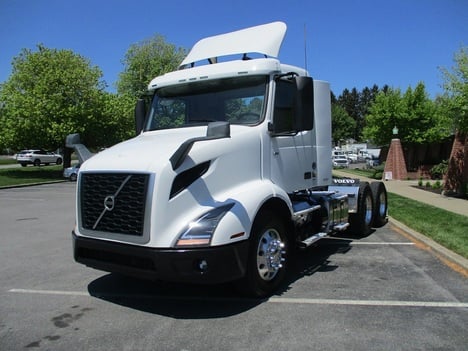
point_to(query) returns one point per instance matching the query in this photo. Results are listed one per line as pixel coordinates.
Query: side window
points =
(283, 116)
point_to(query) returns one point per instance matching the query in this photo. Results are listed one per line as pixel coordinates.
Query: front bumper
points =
(223, 263)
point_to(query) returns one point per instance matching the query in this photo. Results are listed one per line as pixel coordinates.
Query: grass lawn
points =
(446, 228)
(369, 173)
(7, 161)
(29, 175)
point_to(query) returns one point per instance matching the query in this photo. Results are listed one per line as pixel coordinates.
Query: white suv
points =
(340, 161)
(38, 157)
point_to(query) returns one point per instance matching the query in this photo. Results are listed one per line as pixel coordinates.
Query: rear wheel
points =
(268, 254)
(59, 161)
(379, 195)
(37, 162)
(360, 223)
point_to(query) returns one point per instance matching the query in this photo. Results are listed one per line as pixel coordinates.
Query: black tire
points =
(37, 162)
(360, 223)
(73, 177)
(379, 195)
(59, 161)
(24, 164)
(268, 256)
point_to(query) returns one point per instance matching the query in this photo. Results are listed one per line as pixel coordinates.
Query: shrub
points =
(437, 185)
(428, 184)
(378, 171)
(438, 171)
(420, 182)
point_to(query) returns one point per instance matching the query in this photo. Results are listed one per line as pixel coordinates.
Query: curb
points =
(454, 260)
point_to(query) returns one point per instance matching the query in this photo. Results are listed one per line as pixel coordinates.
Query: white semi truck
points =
(230, 172)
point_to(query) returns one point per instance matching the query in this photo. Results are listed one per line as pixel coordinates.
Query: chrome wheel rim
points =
(270, 254)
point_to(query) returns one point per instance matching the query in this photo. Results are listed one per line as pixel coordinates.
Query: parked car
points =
(38, 157)
(340, 161)
(72, 172)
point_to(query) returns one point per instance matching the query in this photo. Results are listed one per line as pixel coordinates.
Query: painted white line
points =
(344, 241)
(368, 302)
(49, 292)
(284, 300)
(381, 243)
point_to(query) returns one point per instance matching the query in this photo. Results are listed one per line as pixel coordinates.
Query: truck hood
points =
(147, 152)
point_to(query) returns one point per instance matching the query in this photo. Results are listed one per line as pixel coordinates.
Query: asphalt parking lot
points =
(382, 292)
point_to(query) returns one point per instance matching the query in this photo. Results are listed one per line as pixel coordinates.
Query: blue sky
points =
(349, 43)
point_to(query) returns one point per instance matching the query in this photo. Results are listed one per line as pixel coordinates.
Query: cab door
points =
(292, 157)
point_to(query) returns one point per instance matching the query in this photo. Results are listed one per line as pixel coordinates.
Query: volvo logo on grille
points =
(109, 202)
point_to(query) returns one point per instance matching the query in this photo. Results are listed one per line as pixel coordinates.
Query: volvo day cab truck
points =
(230, 173)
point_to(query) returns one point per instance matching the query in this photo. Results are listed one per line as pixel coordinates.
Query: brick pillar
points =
(395, 166)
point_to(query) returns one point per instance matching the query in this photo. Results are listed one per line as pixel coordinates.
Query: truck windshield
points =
(239, 100)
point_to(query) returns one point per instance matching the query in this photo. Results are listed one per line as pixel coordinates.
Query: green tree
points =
(455, 100)
(420, 122)
(343, 125)
(356, 104)
(146, 60)
(456, 90)
(117, 120)
(383, 116)
(349, 101)
(414, 114)
(49, 94)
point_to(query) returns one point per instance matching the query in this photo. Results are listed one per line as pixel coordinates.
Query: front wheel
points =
(268, 255)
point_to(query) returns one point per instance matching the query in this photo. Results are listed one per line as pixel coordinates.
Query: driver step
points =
(310, 240)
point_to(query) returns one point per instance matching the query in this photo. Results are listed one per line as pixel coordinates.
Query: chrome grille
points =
(113, 202)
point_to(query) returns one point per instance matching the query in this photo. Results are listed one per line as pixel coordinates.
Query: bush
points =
(428, 184)
(437, 185)
(438, 171)
(420, 182)
(378, 171)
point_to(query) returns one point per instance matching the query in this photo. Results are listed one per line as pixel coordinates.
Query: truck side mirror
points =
(140, 115)
(304, 109)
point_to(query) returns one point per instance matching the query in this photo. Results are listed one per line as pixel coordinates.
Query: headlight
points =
(200, 231)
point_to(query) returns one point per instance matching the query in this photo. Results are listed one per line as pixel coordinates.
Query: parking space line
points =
(49, 292)
(390, 303)
(284, 300)
(381, 243)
